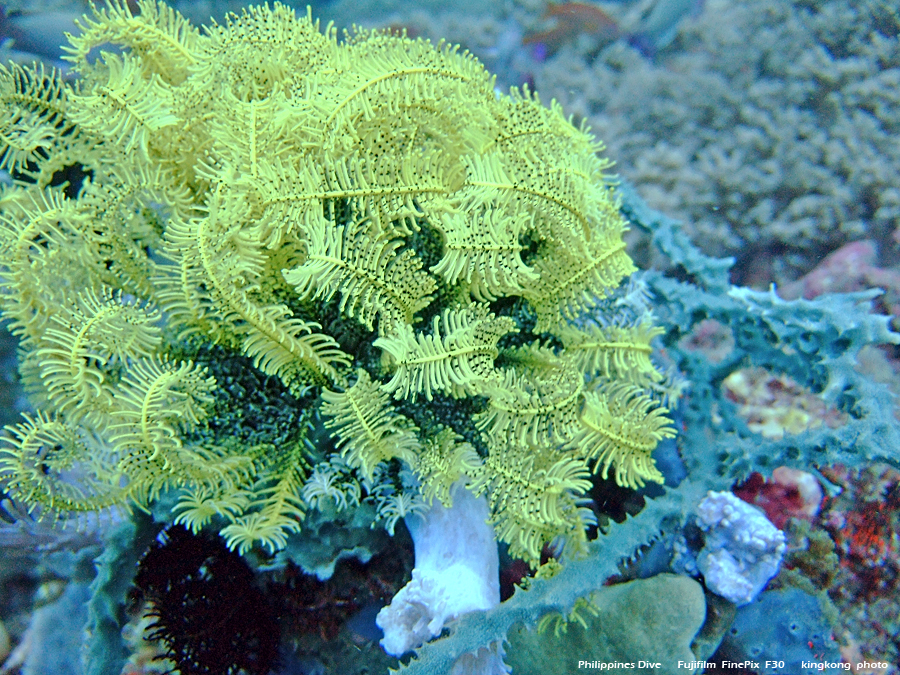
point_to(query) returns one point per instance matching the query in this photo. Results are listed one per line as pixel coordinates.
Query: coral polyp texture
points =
(773, 140)
(233, 253)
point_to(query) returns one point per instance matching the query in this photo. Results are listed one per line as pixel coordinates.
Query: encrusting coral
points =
(362, 222)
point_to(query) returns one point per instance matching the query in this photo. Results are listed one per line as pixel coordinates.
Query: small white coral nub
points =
(743, 549)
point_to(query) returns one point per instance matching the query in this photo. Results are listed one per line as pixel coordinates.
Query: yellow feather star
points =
(267, 202)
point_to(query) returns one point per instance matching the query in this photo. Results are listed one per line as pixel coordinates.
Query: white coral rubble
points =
(743, 550)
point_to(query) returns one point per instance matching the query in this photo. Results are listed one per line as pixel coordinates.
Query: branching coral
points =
(769, 128)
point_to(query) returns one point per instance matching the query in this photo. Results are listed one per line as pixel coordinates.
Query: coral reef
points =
(646, 622)
(249, 210)
(864, 522)
(266, 287)
(769, 128)
(790, 493)
(775, 405)
(853, 267)
(785, 626)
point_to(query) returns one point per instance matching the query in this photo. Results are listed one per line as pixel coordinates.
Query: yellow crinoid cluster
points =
(304, 202)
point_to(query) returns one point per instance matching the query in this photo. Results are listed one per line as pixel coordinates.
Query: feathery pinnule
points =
(267, 213)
